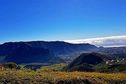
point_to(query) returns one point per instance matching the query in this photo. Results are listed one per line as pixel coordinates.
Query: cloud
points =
(111, 41)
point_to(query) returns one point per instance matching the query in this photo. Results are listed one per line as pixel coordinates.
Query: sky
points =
(27, 20)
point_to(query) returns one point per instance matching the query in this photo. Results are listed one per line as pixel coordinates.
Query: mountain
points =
(24, 53)
(42, 51)
(63, 49)
(96, 62)
(114, 52)
(86, 61)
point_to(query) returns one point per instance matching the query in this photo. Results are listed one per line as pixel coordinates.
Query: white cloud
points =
(103, 41)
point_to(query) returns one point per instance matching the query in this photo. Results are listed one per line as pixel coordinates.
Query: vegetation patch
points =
(42, 77)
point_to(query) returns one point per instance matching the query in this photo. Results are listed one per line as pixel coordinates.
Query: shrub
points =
(11, 65)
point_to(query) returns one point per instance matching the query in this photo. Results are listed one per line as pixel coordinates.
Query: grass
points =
(54, 67)
(43, 77)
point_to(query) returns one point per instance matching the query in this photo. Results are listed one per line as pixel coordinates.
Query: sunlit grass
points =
(42, 76)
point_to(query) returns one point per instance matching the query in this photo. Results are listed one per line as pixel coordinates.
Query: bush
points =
(11, 65)
(110, 68)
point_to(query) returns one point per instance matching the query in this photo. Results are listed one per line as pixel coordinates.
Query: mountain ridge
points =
(58, 49)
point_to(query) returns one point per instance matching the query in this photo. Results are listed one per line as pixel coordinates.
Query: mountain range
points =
(51, 52)
(41, 51)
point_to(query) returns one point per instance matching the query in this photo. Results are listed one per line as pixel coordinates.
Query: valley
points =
(41, 62)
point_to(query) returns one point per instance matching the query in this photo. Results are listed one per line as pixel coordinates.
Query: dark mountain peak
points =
(48, 42)
(85, 62)
(87, 58)
(14, 44)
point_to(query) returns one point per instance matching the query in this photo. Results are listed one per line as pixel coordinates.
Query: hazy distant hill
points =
(41, 51)
(114, 52)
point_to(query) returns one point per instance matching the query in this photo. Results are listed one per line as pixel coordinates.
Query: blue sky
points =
(61, 19)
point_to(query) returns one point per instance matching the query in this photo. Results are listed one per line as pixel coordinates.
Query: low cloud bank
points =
(111, 41)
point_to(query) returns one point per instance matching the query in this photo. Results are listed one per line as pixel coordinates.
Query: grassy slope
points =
(40, 77)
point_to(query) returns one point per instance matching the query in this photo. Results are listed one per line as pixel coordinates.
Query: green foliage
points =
(102, 68)
(10, 65)
(110, 68)
(55, 67)
(22, 66)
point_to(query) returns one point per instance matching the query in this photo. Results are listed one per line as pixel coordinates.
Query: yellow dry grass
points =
(22, 75)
